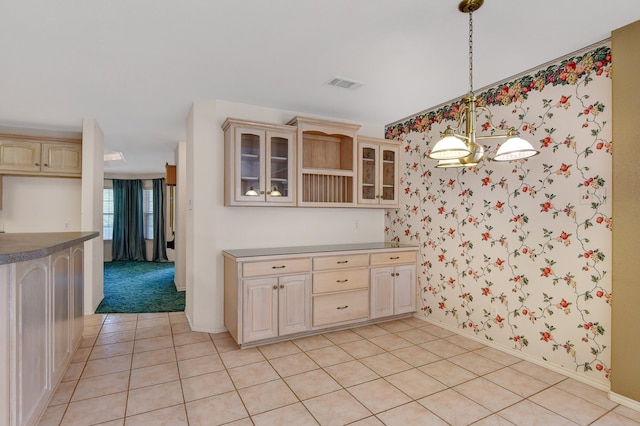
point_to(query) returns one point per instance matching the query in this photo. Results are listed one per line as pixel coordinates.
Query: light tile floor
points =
(151, 369)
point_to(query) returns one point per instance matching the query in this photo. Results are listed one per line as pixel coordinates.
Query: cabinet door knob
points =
(275, 286)
(281, 285)
(37, 164)
(343, 307)
(46, 165)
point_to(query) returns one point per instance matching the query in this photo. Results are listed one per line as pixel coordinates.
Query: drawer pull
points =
(343, 307)
(394, 257)
(341, 281)
(279, 267)
(342, 262)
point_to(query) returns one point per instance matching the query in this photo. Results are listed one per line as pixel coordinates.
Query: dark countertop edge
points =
(21, 247)
(250, 254)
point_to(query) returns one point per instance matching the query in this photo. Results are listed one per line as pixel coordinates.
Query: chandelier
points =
(459, 148)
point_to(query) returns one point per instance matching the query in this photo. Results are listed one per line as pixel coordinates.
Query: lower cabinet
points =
(270, 297)
(276, 306)
(44, 313)
(393, 283)
(393, 290)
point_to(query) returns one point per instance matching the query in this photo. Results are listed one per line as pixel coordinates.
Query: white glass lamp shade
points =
(251, 192)
(447, 164)
(471, 160)
(448, 148)
(515, 148)
(275, 192)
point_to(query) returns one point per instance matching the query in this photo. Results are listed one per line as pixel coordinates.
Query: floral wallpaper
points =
(519, 253)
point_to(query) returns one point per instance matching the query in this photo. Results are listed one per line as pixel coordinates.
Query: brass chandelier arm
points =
(464, 114)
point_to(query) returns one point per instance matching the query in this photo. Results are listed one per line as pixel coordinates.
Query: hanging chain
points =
(471, 50)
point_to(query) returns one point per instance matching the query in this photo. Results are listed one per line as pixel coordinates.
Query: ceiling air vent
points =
(344, 83)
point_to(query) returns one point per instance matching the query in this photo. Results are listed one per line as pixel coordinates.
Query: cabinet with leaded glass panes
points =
(259, 163)
(378, 174)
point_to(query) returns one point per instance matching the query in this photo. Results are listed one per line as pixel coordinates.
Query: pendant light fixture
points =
(460, 149)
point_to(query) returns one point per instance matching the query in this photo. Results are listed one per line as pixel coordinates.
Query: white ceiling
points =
(136, 66)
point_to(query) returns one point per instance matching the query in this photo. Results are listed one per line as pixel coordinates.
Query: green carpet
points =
(138, 287)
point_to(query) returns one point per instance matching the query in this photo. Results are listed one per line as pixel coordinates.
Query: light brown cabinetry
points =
(275, 294)
(378, 172)
(267, 299)
(326, 162)
(340, 289)
(393, 284)
(41, 328)
(275, 306)
(308, 163)
(40, 158)
(259, 163)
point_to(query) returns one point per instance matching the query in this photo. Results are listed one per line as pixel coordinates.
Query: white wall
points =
(180, 197)
(212, 227)
(32, 204)
(91, 219)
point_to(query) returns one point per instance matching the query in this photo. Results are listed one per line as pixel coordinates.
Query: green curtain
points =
(128, 221)
(159, 240)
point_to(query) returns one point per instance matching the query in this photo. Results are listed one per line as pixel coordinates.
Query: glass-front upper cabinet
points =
(259, 159)
(378, 174)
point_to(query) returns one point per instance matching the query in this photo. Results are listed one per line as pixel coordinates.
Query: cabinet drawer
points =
(340, 307)
(347, 279)
(393, 258)
(276, 267)
(340, 262)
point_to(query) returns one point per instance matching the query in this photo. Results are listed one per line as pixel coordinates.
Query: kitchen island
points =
(41, 319)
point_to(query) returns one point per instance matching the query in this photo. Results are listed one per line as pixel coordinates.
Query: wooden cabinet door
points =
(404, 292)
(77, 294)
(280, 183)
(32, 380)
(389, 175)
(294, 304)
(62, 158)
(20, 156)
(260, 308)
(381, 287)
(61, 310)
(249, 164)
(369, 159)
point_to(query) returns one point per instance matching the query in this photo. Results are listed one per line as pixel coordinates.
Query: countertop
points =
(279, 251)
(20, 247)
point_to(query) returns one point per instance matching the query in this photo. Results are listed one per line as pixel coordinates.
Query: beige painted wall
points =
(625, 344)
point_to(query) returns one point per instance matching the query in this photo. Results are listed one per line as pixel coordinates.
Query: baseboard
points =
(623, 400)
(553, 367)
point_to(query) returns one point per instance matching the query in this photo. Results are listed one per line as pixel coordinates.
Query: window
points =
(147, 211)
(107, 213)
